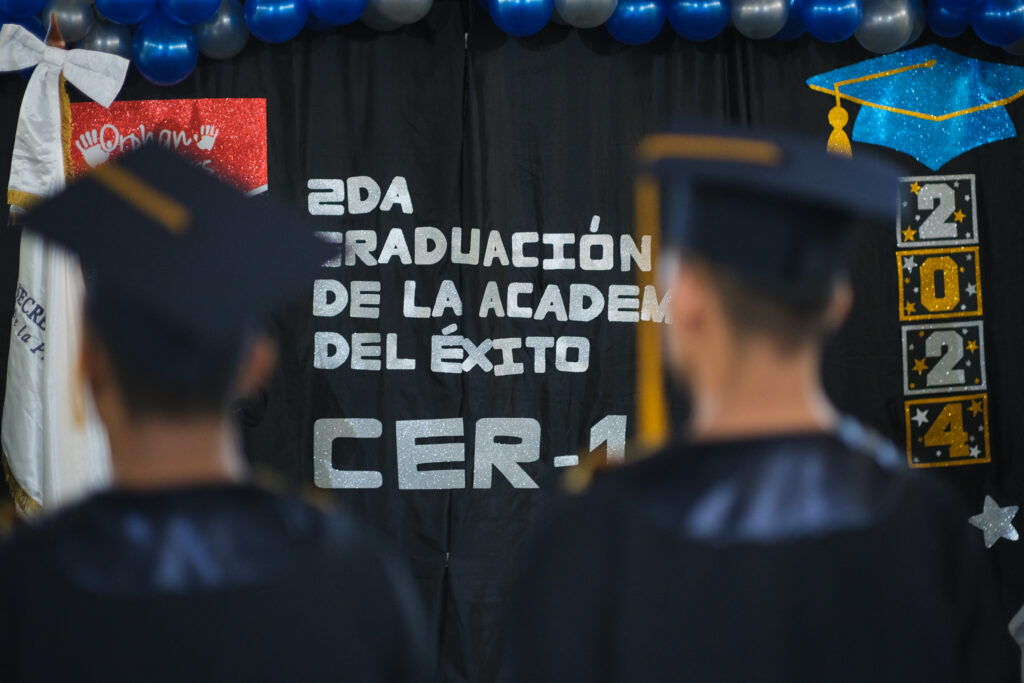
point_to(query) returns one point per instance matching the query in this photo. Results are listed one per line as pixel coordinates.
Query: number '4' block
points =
(947, 430)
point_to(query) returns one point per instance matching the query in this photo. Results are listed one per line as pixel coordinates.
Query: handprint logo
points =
(209, 136)
(92, 148)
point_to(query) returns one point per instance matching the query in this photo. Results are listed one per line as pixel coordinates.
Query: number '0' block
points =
(939, 283)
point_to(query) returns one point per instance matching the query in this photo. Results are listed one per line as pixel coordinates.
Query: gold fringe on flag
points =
(26, 503)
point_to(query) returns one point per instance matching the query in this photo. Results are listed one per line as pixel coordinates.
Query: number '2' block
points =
(936, 211)
(946, 431)
(944, 357)
(939, 283)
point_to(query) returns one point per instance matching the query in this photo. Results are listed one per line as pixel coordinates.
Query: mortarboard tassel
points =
(651, 403)
(838, 140)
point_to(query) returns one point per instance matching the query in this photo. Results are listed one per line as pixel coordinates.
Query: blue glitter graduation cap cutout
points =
(929, 102)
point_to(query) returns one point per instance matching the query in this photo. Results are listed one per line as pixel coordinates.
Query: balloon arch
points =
(164, 37)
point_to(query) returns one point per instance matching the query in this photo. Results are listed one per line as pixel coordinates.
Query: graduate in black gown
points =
(774, 539)
(182, 571)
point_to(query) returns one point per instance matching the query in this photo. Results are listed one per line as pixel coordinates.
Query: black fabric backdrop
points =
(493, 132)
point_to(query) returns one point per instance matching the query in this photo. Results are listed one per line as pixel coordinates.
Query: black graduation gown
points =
(208, 583)
(792, 558)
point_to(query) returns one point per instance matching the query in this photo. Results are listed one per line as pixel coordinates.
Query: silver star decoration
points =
(917, 218)
(972, 288)
(970, 256)
(975, 451)
(968, 197)
(920, 417)
(968, 363)
(909, 264)
(956, 183)
(904, 203)
(995, 522)
(963, 307)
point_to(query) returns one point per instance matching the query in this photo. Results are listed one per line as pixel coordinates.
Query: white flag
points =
(54, 448)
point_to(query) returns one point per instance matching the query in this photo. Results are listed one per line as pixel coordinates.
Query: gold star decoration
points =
(915, 188)
(959, 216)
(908, 234)
(921, 333)
(920, 366)
(909, 308)
(975, 407)
(961, 269)
(972, 346)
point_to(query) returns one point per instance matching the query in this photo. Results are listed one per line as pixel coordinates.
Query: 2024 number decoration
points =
(942, 330)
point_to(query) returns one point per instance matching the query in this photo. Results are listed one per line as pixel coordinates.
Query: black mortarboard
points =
(181, 266)
(777, 210)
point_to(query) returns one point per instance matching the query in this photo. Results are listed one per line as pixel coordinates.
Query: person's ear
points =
(260, 361)
(689, 301)
(839, 307)
(95, 367)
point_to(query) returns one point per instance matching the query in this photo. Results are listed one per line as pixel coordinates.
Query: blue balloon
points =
(337, 12)
(521, 17)
(945, 22)
(21, 9)
(831, 21)
(129, 12)
(635, 22)
(958, 6)
(999, 22)
(163, 50)
(36, 27)
(190, 12)
(275, 21)
(314, 23)
(31, 23)
(794, 27)
(698, 19)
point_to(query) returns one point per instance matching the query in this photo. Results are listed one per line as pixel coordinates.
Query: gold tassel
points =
(838, 141)
(651, 403)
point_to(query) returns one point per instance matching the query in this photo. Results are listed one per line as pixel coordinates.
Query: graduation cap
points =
(929, 102)
(778, 211)
(181, 266)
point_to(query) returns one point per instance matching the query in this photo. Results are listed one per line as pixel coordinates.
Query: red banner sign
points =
(226, 136)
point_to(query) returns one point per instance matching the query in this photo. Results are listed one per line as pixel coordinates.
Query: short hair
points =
(193, 381)
(791, 316)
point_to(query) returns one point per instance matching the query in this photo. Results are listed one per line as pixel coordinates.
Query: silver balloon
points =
(585, 13)
(886, 25)
(225, 34)
(74, 17)
(372, 18)
(920, 21)
(108, 37)
(759, 19)
(400, 12)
